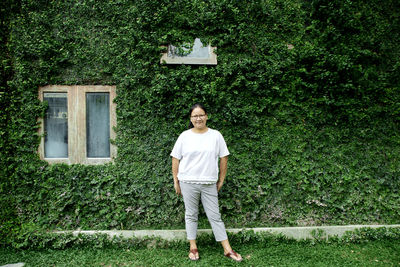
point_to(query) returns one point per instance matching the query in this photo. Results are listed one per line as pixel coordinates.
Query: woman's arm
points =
(223, 167)
(175, 167)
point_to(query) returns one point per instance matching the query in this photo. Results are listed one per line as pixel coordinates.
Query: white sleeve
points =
(223, 149)
(177, 150)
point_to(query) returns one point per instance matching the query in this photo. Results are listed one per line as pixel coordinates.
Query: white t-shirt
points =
(198, 155)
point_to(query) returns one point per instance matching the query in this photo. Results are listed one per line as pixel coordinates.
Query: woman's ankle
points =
(193, 244)
(226, 246)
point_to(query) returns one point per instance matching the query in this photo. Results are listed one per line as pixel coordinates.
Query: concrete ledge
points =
(290, 232)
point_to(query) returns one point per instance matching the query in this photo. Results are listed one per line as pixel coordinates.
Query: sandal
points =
(233, 253)
(194, 252)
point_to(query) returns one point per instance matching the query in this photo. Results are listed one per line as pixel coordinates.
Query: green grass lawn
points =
(372, 253)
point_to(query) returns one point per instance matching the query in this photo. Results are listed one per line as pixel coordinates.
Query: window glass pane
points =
(98, 125)
(198, 50)
(56, 126)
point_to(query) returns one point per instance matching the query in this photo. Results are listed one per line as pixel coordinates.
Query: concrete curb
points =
(298, 233)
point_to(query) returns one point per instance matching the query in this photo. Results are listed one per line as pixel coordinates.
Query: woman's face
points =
(199, 118)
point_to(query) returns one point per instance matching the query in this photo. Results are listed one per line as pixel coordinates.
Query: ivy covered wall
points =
(306, 94)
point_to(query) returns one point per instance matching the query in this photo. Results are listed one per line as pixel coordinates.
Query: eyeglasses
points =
(198, 116)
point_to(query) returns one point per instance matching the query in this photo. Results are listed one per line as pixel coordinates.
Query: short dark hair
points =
(197, 105)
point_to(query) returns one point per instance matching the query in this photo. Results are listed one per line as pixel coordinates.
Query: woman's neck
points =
(202, 130)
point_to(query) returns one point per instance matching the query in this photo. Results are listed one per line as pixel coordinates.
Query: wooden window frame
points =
(76, 95)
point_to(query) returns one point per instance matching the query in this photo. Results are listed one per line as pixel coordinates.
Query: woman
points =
(195, 170)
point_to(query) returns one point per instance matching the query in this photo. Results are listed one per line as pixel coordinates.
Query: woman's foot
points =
(234, 256)
(193, 254)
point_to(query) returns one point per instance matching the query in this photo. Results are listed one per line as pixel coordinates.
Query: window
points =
(197, 55)
(78, 124)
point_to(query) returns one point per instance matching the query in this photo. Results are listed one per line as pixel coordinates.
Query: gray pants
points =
(209, 198)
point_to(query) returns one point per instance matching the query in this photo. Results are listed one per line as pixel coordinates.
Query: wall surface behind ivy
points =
(306, 94)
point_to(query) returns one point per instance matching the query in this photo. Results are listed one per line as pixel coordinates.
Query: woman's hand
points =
(177, 188)
(219, 185)
(223, 166)
(175, 168)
